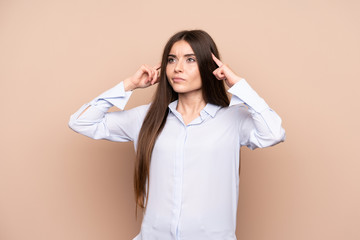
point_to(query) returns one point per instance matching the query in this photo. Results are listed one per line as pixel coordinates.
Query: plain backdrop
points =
(301, 56)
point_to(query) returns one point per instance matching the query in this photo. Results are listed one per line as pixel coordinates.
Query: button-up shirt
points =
(194, 170)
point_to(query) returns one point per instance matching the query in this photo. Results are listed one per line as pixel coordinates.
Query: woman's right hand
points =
(144, 77)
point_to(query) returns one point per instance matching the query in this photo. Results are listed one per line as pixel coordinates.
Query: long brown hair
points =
(213, 92)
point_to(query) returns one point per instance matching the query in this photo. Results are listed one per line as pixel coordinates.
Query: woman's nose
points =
(178, 66)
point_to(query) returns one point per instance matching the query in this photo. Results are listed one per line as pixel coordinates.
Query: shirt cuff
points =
(115, 96)
(243, 93)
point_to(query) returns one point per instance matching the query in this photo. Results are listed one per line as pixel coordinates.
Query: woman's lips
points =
(178, 79)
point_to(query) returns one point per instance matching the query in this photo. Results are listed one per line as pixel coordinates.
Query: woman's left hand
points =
(223, 72)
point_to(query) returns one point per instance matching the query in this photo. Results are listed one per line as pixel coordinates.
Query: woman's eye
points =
(170, 60)
(191, 59)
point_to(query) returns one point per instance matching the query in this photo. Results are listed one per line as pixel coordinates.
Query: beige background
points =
(302, 57)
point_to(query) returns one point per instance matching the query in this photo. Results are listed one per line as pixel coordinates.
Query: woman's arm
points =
(93, 120)
(259, 125)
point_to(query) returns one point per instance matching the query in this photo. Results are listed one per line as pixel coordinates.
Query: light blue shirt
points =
(194, 171)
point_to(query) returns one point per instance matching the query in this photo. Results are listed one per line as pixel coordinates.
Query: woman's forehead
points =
(181, 48)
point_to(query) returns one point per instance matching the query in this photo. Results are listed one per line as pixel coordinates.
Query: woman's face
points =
(182, 69)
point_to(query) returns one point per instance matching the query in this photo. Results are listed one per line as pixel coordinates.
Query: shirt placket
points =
(178, 180)
(178, 170)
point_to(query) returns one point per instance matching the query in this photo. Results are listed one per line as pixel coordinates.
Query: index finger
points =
(216, 60)
(157, 66)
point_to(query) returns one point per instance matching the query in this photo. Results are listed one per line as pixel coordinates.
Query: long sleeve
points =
(97, 123)
(261, 126)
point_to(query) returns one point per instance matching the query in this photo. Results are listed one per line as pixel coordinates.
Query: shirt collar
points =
(209, 109)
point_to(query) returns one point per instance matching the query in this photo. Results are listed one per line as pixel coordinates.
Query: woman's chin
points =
(180, 91)
(183, 89)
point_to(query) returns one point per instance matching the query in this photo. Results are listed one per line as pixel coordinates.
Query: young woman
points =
(187, 140)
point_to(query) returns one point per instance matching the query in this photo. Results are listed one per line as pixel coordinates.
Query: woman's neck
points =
(190, 105)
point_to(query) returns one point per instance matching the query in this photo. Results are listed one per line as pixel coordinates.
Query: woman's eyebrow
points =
(186, 55)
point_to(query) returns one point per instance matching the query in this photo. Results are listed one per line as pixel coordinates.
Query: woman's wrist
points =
(234, 80)
(128, 85)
